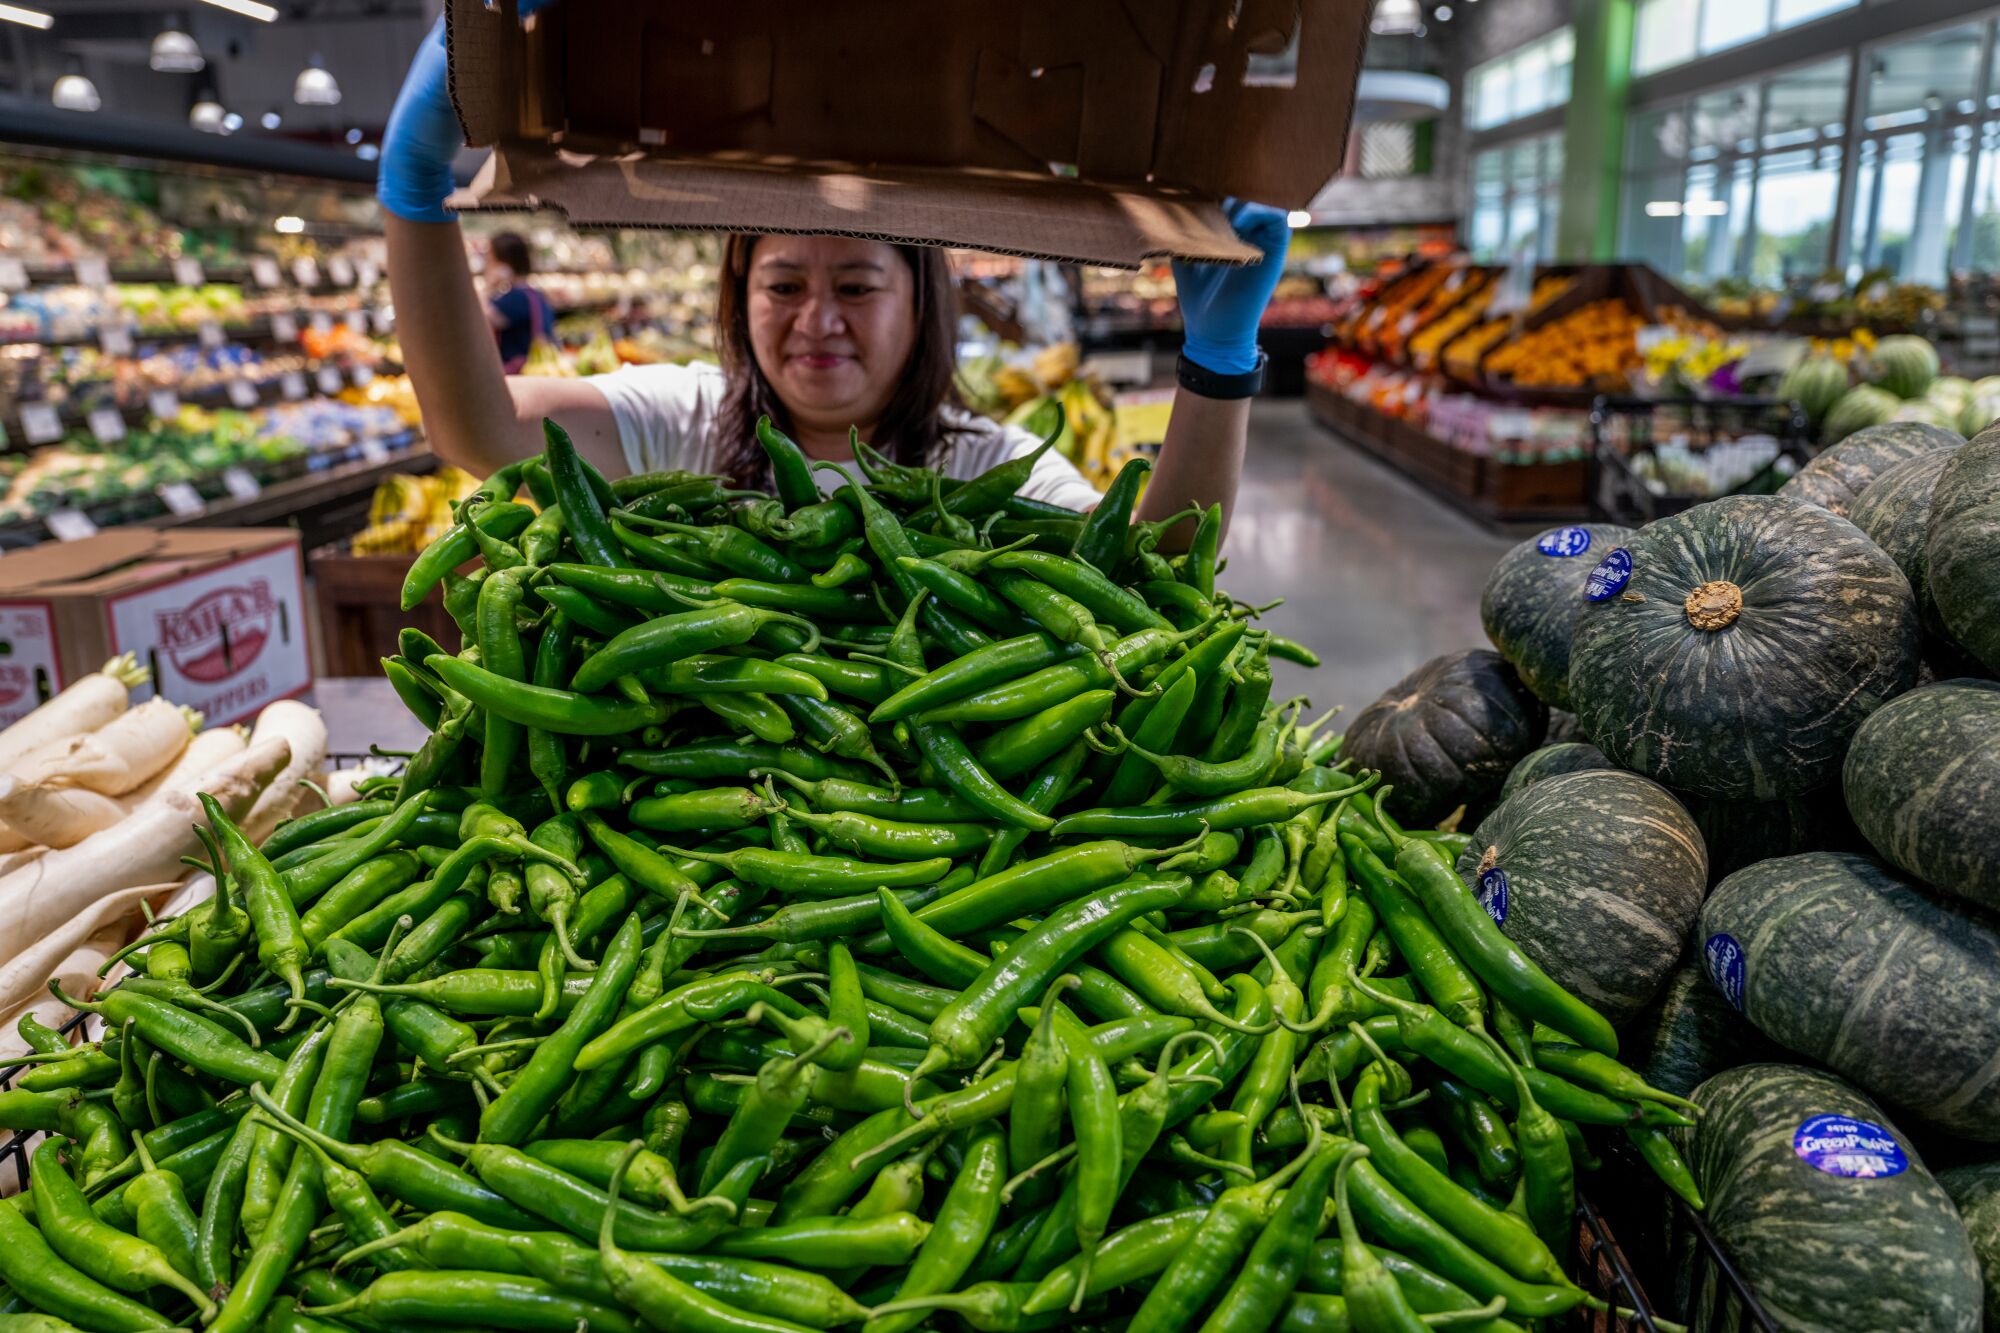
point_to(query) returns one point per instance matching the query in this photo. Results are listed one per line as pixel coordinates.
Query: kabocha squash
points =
(1975, 1190)
(1895, 512)
(1732, 649)
(1964, 548)
(1825, 1209)
(1836, 478)
(1553, 761)
(1689, 1033)
(1533, 597)
(1834, 957)
(1742, 833)
(1447, 734)
(1598, 876)
(1922, 781)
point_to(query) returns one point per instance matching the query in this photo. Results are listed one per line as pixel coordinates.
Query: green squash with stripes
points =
(1598, 876)
(1731, 650)
(1533, 597)
(1922, 781)
(1689, 1033)
(1838, 475)
(1447, 734)
(1963, 546)
(1837, 959)
(1781, 1155)
(1976, 1191)
(1895, 512)
(1553, 761)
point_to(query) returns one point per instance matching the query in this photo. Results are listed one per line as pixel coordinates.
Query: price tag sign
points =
(305, 271)
(40, 423)
(340, 271)
(240, 483)
(264, 271)
(285, 327)
(385, 319)
(293, 385)
(164, 404)
(70, 525)
(321, 322)
(210, 333)
(181, 498)
(115, 339)
(363, 376)
(187, 272)
(374, 451)
(357, 320)
(365, 273)
(243, 394)
(13, 274)
(107, 424)
(92, 271)
(329, 379)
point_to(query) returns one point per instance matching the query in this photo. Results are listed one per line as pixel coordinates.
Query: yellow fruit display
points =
(1592, 346)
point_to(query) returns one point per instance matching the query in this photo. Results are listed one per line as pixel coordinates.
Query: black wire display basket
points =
(1651, 458)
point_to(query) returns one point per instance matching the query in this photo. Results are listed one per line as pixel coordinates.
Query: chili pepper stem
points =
(1056, 1158)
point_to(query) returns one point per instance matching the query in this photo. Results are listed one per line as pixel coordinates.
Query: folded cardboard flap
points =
(1099, 130)
(125, 557)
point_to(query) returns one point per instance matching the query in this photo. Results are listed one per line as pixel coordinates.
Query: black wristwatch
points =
(1201, 380)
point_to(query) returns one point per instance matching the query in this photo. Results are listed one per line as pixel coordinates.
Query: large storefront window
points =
(1516, 190)
(1520, 83)
(1673, 32)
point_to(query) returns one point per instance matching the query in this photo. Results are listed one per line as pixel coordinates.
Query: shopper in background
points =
(518, 312)
(823, 333)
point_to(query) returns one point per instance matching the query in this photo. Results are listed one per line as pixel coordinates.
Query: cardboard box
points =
(217, 613)
(1101, 131)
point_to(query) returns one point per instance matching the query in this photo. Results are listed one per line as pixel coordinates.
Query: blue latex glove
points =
(1221, 304)
(421, 139)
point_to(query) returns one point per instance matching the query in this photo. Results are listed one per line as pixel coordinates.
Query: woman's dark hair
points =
(911, 430)
(510, 249)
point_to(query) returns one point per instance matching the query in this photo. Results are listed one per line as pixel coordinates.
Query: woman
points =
(823, 333)
(518, 312)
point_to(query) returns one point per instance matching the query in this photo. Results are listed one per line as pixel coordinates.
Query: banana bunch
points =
(406, 513)
(1092, 425)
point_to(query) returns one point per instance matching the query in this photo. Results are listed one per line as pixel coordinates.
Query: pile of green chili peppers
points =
(904, 908)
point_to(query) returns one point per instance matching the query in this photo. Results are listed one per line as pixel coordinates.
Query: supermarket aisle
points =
(1378, 575)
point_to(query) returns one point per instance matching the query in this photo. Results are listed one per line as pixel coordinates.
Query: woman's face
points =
(832, 322)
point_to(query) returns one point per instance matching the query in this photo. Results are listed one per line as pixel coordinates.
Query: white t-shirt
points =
(664, 415)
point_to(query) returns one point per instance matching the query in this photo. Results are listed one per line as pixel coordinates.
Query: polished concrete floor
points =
(1377, 576)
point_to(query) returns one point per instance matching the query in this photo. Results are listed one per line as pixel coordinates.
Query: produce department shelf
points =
(254, 332)
(217, 396)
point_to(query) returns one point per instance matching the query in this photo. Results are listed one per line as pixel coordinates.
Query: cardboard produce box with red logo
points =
(218, 614)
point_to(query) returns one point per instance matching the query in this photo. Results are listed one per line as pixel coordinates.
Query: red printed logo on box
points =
(29, 636)
(221, 634)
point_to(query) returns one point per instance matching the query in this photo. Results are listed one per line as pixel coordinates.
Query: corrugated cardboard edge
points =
(1034, 217)
(113, 561)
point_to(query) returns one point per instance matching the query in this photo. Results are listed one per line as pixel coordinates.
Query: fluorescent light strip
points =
(248, 8)
(29, 18)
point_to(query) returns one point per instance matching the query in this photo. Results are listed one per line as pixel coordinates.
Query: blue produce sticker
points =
(1492, 894)
(1725, 966)
(1564, 542)
(1610, 577)
(1843, 1146)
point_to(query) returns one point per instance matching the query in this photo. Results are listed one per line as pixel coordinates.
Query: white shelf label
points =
(292, 384)
(70, 525)
(243, 394)
(385, 319)
(264, 270)
(305, 271)
(363, 376)
(164, 404)
(321, 322)
(107, 424)
(357, 320)
(115, 339)
(340, 271)
(366, 274)
(210, 333)
(181, 498)
(187, 272)
(329, 379)
(13, 274)
(40, 423)
(374, 451)
(241, 484)
(92, 271)
(284, 327)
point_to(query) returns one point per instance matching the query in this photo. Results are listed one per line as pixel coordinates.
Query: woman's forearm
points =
(1200, 463)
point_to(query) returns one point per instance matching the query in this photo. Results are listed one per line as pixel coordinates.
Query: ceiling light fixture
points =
(1297, 218)
(27, 18)
(231, 122)
(1663, 208)
(315, 85)
(174, 52)
(354, 134)
(74, 91)
(206, 114)
(1396, 18)
(250, 9)
(290, 225)
(1442, 13)
(367, 152)
(271, 119)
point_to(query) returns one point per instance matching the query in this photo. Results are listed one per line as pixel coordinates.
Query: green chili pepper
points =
(563, 712)
(456, 546)
(1102, 543)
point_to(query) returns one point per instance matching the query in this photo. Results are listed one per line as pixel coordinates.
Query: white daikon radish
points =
(145, 848)
(78, 975)
(126, 752)
(301, 727)
(340, 783)
(206, 751)
(11, 841)
(57, 816)
(13, 861)
(84, 706)
(28, 971)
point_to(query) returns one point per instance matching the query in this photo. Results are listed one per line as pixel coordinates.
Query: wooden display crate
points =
(360, 609)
